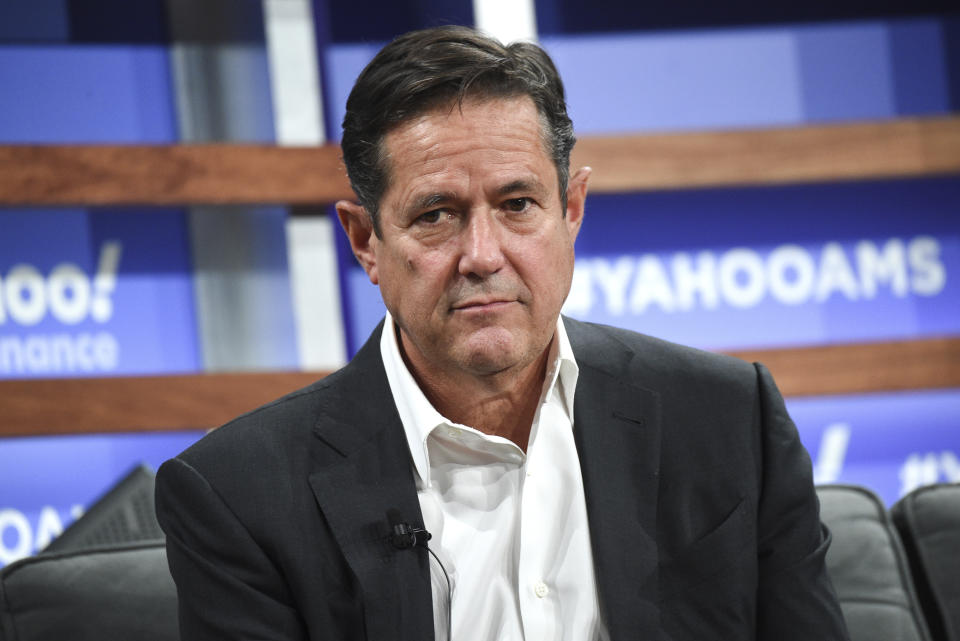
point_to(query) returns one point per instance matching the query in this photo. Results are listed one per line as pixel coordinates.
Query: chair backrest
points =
(868, 567)
(119, 592)
(125, 514)
(928, 520)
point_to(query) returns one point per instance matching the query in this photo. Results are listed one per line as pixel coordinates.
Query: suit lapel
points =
(361, 471)
(617, 432)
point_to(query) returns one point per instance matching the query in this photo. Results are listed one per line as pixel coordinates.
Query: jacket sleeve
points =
(795, 597)
(227, 586)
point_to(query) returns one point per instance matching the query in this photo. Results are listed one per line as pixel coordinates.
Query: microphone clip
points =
(405, 536)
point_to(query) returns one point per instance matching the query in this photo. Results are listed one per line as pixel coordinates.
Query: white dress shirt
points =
(509, 527)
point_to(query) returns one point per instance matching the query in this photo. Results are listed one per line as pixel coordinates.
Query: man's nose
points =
(482, 246)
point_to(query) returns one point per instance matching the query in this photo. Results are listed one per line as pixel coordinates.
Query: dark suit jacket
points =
(703, 517)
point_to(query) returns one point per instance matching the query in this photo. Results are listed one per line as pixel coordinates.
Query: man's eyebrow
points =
(431, 200)
(527, 185)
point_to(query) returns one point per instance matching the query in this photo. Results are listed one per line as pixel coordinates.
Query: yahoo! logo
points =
(69, 296)
(67, 292)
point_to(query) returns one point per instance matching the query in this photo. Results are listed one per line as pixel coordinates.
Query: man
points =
(579, 482)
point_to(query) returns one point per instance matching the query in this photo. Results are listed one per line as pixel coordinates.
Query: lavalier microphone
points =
(404, 536)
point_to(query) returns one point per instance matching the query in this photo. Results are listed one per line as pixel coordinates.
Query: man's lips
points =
(482, 304)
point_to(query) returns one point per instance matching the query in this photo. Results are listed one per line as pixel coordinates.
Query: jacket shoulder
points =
(280, 429)
(270, 431)
(654, 360)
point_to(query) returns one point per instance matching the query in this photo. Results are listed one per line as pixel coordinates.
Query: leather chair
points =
(868, 567)
(928, 520)
(123, 591)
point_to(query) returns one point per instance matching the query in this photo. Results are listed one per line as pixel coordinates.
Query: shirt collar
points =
(420, 418)
(563, 368)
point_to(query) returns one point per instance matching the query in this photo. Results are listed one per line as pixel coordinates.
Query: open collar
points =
(419, 417)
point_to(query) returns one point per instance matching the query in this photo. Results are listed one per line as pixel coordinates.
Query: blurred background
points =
(775, 180)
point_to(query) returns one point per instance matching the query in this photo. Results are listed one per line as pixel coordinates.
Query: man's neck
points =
(501, 404)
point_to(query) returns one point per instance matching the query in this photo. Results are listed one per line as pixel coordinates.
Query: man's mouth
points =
(482, 304)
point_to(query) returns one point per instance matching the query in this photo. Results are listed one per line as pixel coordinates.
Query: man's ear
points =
(576, 200)
(356, 222)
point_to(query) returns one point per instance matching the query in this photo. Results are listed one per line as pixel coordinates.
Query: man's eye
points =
(517, 204)
(430, 217)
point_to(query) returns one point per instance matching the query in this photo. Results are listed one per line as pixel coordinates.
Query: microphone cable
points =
(404, 536)
(449, 593)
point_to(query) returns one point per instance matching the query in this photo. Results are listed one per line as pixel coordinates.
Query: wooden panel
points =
(858, 368)
(79, 405)
(251, 174)
(170, 175)
(200, 401)
(908, 147)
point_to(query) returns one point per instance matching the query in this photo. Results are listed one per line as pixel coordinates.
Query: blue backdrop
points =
(109, 292)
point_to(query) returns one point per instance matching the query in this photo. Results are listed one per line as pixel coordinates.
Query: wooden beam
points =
(127, 404)
(92, 405)
(895, 148)
(218, 174)
(860, 368)
(222, 174)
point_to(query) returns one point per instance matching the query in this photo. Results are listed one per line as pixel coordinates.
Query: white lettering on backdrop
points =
(743, 277)
(69, 296)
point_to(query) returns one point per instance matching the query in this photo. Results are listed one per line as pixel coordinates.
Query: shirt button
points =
(453, 432)
(541, 589)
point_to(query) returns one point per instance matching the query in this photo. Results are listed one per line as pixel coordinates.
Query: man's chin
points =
(492, 352)
(482, 365)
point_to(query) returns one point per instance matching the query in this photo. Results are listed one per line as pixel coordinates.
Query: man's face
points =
(475, 255)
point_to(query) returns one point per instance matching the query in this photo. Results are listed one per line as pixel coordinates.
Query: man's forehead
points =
(517, 115)
(507, 132)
